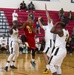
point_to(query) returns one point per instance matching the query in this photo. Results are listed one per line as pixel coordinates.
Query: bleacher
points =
(23, 16)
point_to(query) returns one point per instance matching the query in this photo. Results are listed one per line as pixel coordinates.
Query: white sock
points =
(33, 60)
(13, 63)
(8, 64)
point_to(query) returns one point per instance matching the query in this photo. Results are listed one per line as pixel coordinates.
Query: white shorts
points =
(14, 47)
(57, 56)
(48, 48)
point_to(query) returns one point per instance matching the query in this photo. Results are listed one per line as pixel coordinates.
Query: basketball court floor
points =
(24, 66)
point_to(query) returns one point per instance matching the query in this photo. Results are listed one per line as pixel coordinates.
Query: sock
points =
(8, 64)
(33, 60)
(13, 63)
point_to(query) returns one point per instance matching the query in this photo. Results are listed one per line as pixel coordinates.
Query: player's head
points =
(3, 35)
(14, 11)
(30, 21)
(14, 27)
(62, 25)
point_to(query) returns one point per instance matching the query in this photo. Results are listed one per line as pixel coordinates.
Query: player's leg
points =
(16, 50)
(58, 68)
(9, 59)
(45, 54)
(33, 56)
(50, 51)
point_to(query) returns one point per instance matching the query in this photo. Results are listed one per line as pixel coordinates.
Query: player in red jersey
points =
(29, 30)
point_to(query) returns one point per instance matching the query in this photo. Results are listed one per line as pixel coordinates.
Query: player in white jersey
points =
(13, 47)
(49, 43)
(59, 51)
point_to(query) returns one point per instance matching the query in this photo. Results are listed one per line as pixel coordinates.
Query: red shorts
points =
(31, 42)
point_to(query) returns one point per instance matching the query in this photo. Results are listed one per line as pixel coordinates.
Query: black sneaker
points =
(13, 67)
(6, 68)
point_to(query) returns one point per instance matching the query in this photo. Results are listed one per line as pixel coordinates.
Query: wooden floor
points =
(25, 68)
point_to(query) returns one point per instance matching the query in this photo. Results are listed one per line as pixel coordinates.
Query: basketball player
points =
(13, 47)
(59, 51)
(48, 37)
(29, 30)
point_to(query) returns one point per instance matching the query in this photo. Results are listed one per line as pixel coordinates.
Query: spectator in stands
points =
(3, 43)
(31, 15)
(42, 44)
(70, 16)
(38, 28)
(15, 17)
(61, 14)
(23, 5)
(73, 31)
(65, 20)
(69, 46)
(31, 6)
(38, 44)
(21, 44)
(72, 37)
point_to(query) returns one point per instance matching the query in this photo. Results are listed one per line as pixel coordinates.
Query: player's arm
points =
(47, 14)
(11, 31)
(39, 20)
(55, 31)
(16, 15)
(22, 27)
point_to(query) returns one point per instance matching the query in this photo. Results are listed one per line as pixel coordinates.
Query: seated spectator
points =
(72, 37)
(31, 7)
(42, 45)
(31, 15)
(61, 14)
(22, 45)
(65, 20)
(73, 31)
(3, 43)
(23, 5)
(38, 44)
(69, 46)
(38, 28)
(70, 16)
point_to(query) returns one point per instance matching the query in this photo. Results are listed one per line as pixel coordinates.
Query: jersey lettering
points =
(29, 29)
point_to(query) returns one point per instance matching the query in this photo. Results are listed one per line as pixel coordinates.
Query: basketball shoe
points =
(46, 71)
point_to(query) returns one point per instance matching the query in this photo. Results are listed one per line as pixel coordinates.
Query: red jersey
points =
(30, 35)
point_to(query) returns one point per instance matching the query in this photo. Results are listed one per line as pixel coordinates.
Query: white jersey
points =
(48, 34)
(14, 35)
(61, 41)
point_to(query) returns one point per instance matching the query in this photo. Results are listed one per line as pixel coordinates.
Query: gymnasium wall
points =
(51, 5)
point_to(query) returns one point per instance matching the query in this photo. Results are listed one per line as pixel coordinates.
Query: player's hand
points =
(39, 18)
(45, 7)
(58, 23)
